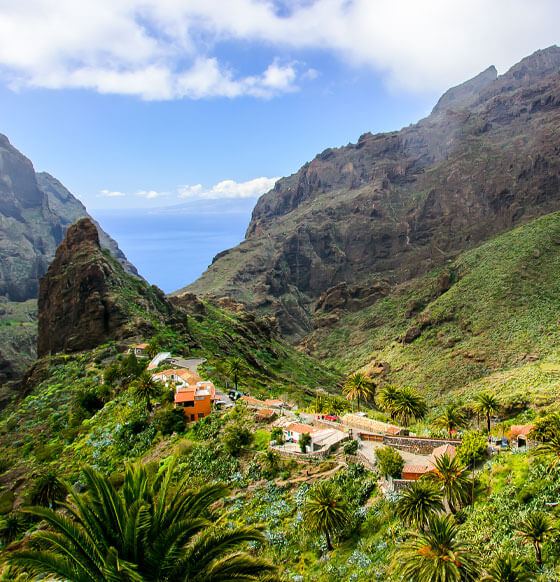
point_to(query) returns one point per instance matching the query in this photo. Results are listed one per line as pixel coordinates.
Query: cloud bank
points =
(167, 49)
(227, 189)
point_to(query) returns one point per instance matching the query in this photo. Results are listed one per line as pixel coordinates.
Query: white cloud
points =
(166, 49)
(228, 189)
(110, 194)
(151, 194)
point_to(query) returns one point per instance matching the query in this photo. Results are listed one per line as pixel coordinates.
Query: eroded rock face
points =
(35, 211)
(394, 206)
(85, 299)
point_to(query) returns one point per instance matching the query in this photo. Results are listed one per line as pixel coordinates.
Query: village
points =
(312, 437)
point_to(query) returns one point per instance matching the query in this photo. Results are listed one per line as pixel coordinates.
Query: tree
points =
(436, 555)
(235, 437)
(389, 462)
(473, 448)
(387, 398)
(144, 532)
(234, 368)
(409, 405)
(452, 478)
(419, 503)
(486, 404)
(550, 451)
(508, 568)
(325, 512)
(304, 442)
(358, 387)
(47, 489)
(546, 428)
(277, 435)
(536, 529)
(270, 463)
(350, 447)
(11, 527)
(146, 388)
(153, 348)
(452, 418)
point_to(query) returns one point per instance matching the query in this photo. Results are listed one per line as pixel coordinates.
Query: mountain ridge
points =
(393, 206)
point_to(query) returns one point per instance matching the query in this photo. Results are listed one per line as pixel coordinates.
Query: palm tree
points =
(47, 489)
(233, 369)
(452, 418)
(419, 503)
(11, 527)
(146, 388)
(452, 478)
(550, 451)
(536, 529)
(386, 399)
(146, 532)
(486, 404)
(435, 555)
(409, 405)
(358, 386)
(508, 568)
(325, 511)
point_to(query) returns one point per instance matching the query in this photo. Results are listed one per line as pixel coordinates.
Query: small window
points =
(192, 416)
(189, 404)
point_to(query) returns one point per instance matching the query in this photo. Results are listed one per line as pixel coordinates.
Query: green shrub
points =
(350, 447)
(235, 437)
(473, 448)
(389, 462)
(170, 421)
(7, 499)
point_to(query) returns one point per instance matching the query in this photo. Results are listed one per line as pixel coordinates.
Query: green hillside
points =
(500, 314)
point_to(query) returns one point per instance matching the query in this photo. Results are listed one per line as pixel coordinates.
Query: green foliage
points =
(170, 421)
(145, 388)
(7, 499)
(473, 448)
(451, 477)
(277, 435)
(325, 511)
(436, 555)
(359, 387)
(452, 418)
(304, 442)
(350, 447)
(536, 529)
(47, 489)
(419, 503)
(389, 462)
(508, 568)
(235, 437)
(145, 531)
(546, 427)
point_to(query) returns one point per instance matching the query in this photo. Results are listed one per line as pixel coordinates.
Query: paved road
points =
(191, 364)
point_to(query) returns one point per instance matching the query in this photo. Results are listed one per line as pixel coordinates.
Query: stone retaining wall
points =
(418, 445)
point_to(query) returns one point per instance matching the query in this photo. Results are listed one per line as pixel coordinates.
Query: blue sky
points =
(140, 105)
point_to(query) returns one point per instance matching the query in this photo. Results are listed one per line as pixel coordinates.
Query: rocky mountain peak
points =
(86, 298)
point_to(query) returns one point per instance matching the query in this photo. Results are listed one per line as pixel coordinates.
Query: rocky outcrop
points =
(394, 206)
(35, 211)
(87, 299)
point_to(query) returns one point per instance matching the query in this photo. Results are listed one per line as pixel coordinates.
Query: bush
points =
(389, 462)
(473, 448)
(277, 435)
(170, 421)
(235, 437)
(350, 447)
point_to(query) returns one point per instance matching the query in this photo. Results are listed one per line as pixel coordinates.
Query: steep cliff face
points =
(87, 299)
(392, 206)
(35, 211)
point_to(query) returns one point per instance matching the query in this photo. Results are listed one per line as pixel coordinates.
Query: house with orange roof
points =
(193, 394)
(138, 350)
(414, 470)
(520, 433)
(293, 431)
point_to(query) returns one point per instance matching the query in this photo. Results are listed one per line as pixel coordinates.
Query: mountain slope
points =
(392, 206)
(486, 321)
(35, 211)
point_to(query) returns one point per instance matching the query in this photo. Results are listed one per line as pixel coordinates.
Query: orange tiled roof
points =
(521, 429)
(416, 468)
(443, 450)
(300, 428)
(251, 400)
(141, 346)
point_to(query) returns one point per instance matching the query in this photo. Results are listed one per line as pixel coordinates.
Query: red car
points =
(332, 417)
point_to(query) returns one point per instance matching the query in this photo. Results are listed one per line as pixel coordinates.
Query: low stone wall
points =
(314, 456)
(418, 445)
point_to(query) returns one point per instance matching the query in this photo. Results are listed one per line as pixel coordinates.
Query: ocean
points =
(171, 247)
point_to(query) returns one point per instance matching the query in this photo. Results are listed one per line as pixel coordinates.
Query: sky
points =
(141, 105)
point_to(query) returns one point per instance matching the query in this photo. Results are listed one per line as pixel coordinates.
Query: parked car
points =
(332, 417)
